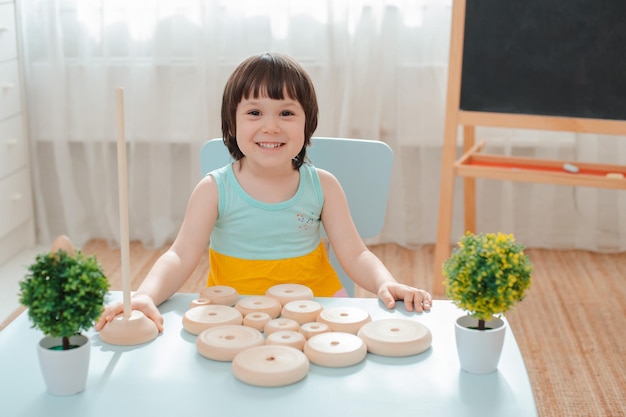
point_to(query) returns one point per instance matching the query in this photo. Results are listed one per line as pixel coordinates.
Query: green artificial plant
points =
(487, 274)
(64, 293)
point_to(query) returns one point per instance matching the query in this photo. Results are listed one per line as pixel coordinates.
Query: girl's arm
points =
(361, 265)
(175, 266)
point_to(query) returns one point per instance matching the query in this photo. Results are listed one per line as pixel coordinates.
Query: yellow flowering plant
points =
(487, 274)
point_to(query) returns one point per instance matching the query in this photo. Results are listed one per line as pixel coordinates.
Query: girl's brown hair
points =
(272, 75)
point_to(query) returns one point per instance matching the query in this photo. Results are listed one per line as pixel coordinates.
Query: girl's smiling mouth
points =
(269, 145)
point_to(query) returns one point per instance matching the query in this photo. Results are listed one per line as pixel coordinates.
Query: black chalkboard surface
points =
(545, 57)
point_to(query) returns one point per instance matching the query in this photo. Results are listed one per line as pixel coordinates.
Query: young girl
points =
(263, 212)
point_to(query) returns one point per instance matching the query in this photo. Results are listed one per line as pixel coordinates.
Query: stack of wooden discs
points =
(272, 339)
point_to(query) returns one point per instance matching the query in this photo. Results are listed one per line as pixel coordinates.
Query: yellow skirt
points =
(254, 277)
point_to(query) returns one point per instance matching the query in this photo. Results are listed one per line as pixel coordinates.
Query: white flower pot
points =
(479, 350)
(64, 371)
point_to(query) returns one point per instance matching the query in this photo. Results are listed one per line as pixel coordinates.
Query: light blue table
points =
(167, 377)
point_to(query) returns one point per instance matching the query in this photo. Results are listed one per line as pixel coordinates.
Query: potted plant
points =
(64, 293)
(486, 275)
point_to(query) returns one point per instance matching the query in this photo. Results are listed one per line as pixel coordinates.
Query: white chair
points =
(363, 167)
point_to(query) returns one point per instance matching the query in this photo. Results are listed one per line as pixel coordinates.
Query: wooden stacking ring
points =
(289, 292)
(276, 325)
(223, 343)
(257, 303)
(286, 338)
(256, 320)
(200, 318)
(270, 366)
(220, 294)
(335, 349)
(199, 302)
(344, 319)
(395, 337)
(302, 311)
(311, 329)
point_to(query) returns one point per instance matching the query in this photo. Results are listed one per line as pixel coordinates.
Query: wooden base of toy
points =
(270, 366)
(63, 242)
(285, 293)
(223, 343)
(311, 329)
(256, 320)
(302, 311)
(198, 319)
(128, 331)
(220, 294)
(281, 324)
(290, 338)
(344, 319)
(335, 349)
(258, 303)
(395, 337)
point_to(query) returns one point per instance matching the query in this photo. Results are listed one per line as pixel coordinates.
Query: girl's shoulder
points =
(325, 176)
(328, 182)
(214, 179)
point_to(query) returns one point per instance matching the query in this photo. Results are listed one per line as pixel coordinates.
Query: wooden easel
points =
(473, 164)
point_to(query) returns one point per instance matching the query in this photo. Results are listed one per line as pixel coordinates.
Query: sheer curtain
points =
(379, 67)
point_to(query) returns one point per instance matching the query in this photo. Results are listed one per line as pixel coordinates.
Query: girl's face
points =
(270, 132)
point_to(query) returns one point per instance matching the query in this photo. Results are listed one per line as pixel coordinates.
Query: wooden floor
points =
(570, 327)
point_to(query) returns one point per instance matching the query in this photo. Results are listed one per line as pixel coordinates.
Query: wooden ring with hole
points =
(278, 324)
(198, 319)
(285, 293)
(302, 311)
(270, 366)
(262, 303)
(335, 349)
(256, 320)
(220, 294)
(223, 343)
(395, 337)
(344, 319)
(311, 329)
(286, 338)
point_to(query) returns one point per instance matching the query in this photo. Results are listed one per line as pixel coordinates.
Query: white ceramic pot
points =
(64, 371)
(479, 350)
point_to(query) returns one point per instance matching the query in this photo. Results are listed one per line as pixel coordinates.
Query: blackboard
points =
(545, 57)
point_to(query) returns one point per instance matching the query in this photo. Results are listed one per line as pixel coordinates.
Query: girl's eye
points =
(286, 113)
(254, 112)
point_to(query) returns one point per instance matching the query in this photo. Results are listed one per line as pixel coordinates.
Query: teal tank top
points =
(250, 229)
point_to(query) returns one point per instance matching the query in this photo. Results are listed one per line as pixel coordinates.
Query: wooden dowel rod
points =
(122, 180)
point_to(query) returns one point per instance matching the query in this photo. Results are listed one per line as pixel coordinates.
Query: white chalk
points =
(615, 175)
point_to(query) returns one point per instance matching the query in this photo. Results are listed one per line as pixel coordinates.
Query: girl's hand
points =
(142, 303)
(414, 298)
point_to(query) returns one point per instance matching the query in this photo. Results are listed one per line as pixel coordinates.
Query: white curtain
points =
(379, 67)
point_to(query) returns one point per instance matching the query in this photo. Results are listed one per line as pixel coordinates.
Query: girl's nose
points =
(270, 125)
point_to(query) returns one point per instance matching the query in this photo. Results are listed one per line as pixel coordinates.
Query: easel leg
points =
(446, 192)
(469, 183)
(446, 197)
